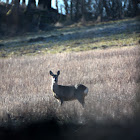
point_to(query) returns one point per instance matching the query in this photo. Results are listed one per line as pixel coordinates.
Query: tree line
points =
(89, 9)
(100, 9)
(31, 16)
(17, 16)
(31, 3)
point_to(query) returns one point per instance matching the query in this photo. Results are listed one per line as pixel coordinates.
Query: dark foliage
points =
(101, 9)
(15, 18)
(18, 18)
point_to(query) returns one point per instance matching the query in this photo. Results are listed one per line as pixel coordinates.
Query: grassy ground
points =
(112, 76)
(74, 38)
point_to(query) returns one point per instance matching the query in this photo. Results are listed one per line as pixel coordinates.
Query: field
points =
(29, 110)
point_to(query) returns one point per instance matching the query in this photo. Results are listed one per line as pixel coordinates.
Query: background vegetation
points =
(17, 17)
(89, 46)
(75, 37)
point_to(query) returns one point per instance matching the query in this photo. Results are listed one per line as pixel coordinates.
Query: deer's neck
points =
(54, 86)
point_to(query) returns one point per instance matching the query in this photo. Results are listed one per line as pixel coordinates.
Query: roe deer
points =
(68, 93)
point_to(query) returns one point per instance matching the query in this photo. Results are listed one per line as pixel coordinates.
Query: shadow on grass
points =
(43, 129)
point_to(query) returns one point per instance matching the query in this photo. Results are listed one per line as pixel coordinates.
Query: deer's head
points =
(55, 76)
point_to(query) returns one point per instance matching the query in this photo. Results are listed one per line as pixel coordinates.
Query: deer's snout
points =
(55, 79)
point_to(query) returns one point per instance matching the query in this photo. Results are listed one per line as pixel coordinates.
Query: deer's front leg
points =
(61, 100)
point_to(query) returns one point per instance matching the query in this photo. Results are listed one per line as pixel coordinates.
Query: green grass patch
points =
(72, 38)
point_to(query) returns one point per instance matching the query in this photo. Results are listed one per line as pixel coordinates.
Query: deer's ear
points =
(51, 73)
(58, 72)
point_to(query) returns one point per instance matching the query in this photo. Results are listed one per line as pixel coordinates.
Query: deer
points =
(68, 93)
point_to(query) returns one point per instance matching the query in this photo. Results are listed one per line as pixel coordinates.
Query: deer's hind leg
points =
(61, 101)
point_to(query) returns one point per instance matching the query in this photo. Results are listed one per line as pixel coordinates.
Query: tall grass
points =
(111, 76)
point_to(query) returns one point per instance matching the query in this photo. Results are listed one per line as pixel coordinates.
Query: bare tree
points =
(77, 9)
(56, 4)
(71, 9)
(83, 10)
(66, 6)
(99, 10)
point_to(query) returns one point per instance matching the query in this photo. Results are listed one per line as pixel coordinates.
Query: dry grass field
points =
(112, 76)
(105, 57)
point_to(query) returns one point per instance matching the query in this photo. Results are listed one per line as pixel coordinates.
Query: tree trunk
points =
(32, 3)
(120, 13)
(71, 10)
(107, 8)
(100, 11)
(16, 13)
(83, 10)
(56, 4)
(66, 8)
(45, 4)
(16, 2)
(41, 4)
(77, 10)
(135, 7)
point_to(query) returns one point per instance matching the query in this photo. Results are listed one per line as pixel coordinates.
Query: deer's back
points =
(66, 92)
(69, 92)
